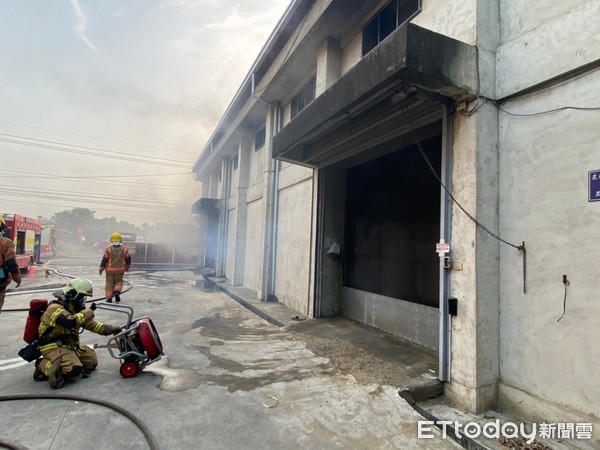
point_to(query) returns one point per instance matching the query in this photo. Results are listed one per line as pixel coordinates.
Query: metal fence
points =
(159, 253)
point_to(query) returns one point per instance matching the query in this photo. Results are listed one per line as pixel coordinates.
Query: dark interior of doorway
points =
(392, 222)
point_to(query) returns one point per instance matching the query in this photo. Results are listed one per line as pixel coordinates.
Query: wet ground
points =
(229, 379)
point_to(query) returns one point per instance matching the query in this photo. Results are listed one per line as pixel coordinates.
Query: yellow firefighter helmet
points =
(78, 286)
(75, 293)
(116, 239)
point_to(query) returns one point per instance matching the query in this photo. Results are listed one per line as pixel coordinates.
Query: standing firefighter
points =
(9, 270)
(116, 261)
(63, 356)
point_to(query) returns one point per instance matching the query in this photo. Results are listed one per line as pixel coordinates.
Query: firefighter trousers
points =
(73, 360)
(114, 282)
(3, 285)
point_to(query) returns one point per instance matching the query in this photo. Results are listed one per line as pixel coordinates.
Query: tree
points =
(94, 230)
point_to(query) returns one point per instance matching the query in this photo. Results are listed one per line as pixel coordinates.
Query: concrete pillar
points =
(223, 218)
(475, 367)
(329, 65)
(242, 211)
(331, 212)
(475, 346)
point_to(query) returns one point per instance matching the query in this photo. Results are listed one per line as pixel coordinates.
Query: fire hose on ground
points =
(139, 423)
(54, 288)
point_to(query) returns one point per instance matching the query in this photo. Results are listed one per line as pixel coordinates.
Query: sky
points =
(106, 104)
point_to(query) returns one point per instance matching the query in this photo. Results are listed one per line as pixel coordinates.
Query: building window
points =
(387, 20)
(303, 98)
(259, 139)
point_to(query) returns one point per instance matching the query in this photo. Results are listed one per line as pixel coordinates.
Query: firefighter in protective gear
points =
(63, 356)
(9, 270)
(116, 260)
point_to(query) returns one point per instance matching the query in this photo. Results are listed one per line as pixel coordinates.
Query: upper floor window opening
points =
(303, 97)
(387, 20)
(259, 139)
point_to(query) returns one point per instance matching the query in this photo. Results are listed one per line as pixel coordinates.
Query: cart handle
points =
(118, 308)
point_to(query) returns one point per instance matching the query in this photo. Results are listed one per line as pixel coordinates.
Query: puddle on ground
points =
(226, 328)
(217, 330)
(217, 361)
(174, 380)
(177, 380)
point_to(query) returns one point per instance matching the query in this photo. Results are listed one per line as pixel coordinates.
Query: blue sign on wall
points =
(594, 186)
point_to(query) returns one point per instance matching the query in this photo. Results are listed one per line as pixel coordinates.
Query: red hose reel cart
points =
(138, 343)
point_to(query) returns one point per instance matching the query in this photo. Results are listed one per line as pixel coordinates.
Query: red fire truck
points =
(26, 233)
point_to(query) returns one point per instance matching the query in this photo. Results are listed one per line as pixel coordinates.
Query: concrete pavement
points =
(229, 380)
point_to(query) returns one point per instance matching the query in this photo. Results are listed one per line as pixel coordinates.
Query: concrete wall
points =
(257, 163)
(231, 242)
(212, 187)
(253, 263)
(292, 276)
(548, 369)
(329, 65)
(544, 161)
(456, 19)
(254, 246)
(411, 321)
(351, 54)
(553, 37)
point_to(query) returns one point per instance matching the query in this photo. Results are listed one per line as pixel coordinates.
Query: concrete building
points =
(426, 167)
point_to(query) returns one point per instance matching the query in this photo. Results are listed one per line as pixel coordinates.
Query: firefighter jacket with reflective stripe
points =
(68, 335)
(8, 262)
(116, 259)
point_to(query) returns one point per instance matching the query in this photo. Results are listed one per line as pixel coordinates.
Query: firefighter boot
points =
(38, 375)
(55, 377)
(117, 295)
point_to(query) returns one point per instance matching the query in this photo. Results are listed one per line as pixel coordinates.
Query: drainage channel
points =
(242, 302)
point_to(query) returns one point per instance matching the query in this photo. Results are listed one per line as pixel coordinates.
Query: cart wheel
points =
(128, 369)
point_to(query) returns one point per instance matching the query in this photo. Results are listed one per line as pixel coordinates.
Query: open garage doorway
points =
(391, 226)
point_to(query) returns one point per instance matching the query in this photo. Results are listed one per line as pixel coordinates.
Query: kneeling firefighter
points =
(63, 356)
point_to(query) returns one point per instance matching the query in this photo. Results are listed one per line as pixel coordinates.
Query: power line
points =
(94, 200)
(577, 108)
(160, 210)
(95, 137)
(95, 203)
(92, 148)
(38, 175)
(109, 199)
(69, 201)
(494, 103)
(110, 177)
(122, 156)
